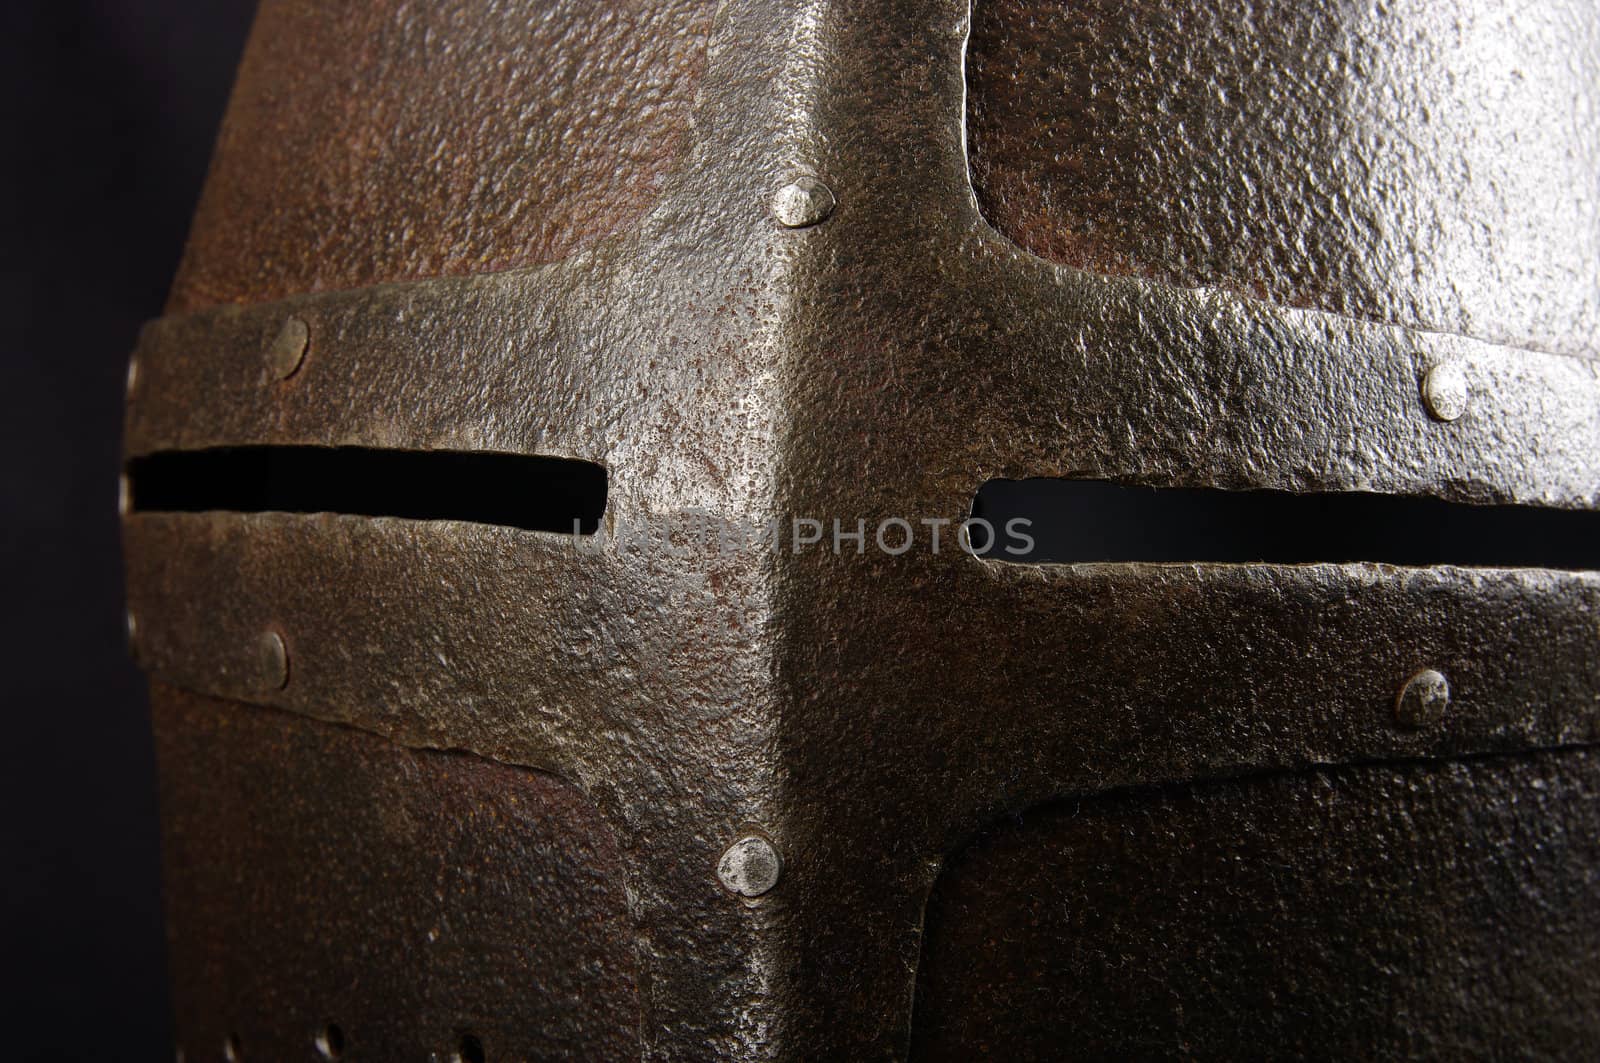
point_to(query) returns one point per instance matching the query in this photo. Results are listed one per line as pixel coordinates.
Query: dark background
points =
(112, 108)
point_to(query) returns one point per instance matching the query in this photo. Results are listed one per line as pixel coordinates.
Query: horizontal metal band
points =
(516, 645)
(446, 364)
(1084, 376)
(1127, 380)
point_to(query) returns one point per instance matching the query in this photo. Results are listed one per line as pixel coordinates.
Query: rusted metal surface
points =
(450, 897)
(1409, 912)
(390, 140)
(1424, 162)
(756, 351)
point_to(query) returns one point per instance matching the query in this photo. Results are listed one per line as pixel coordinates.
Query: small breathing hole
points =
(330, 1041)
(470, 1050)
(231, 1049)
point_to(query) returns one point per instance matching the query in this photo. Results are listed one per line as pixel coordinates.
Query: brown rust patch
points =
(392, 141)
(315, 873)
(1428, 162)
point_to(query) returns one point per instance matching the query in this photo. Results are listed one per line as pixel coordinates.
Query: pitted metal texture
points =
(863, 714)
(1430, 163)
(391, 141)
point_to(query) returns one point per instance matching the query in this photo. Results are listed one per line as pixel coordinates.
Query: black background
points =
(112, 111)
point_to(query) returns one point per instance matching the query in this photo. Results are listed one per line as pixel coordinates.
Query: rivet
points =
(802, 202)
(750, 867)
(132, 622)
(1445, 391)
(133, 376)
(288, 350)
(272, 661)
(1422, 700)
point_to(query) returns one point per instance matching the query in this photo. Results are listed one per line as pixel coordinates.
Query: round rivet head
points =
(802, 202)
(750, 867)
(1422, 700)
(288, 348)
(272, 661)
(1445, 391)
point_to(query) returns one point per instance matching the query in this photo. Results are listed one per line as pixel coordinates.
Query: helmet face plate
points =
(651, 698)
